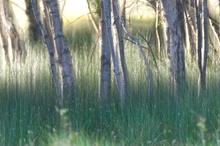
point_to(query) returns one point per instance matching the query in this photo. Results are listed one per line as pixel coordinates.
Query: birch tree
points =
(34, 32)
(189, 27)
(119, 40)
(116, 67)
(202, 40)
(92, 17)
(175, 48)
(105, 58)
(60, 58)
(8, 31)
(112, 45)
(157, 28)
(144, 57)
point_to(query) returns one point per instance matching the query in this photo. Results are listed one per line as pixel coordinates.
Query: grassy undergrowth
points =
(28, 114)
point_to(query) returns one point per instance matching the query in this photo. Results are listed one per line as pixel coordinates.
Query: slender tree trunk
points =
(105, 58)
(92, 18)
(34, 31)
(205, 45)
(164, 26)
(123, 9)
(146, 62)
(205, 35)
(157, 29)
(9, 31)
(189, 27)
(175, 48)
(54, 39)
(116, 67)
(199, 43)
(119, 44)
(202, 43)
(4, 37)
(213, 32)
(64, 57)
(186, 30)
(50, 48)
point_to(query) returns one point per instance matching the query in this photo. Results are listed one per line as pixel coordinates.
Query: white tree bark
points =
(186, 29)
(55, 41)
(105, 58)
(215, 39)
(8, 31)
(157, 29)
(92, 18)
(116, 67)
(119, 43)
(34, 31)
(205, 46)
(164, 25)
(146, 61)
(175, 48)
(202, 43)
(51, 52)
(64, 58)
(189, 26)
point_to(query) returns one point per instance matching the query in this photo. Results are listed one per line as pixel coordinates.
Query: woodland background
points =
(139, 72)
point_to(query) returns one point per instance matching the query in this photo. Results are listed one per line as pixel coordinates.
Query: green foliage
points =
(28, 114)
(96, 6)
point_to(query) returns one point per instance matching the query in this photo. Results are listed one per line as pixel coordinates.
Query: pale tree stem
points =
(92, 18)
(157, 31)
(146, 62)
(48, 43)
(105, 61)
(8, 31)
(64, 57)
(117, 73)
(119, 44)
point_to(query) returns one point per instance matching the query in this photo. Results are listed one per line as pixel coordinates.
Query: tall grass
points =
(28, 114)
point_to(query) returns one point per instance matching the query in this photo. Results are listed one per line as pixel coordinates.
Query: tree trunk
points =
(92, 18)
(119, 43)
(105, 58)
(64, 57)
(34, 31)
(204, 49)
(56, 44)
(175, 48)
(186, 29)
(213, 32)
(146, 62)
(122, 9)
(116, 67)
(50, 48)
(202, 43)
(164, 25)
(189, 27)
(157, 29)
(8, 31)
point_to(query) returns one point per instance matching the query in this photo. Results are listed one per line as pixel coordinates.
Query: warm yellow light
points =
(75, 8)
(72, 9)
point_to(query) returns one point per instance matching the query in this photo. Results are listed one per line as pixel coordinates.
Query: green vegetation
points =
(28, 114)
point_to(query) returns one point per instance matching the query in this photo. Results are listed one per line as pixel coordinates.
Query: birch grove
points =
(191, 26)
